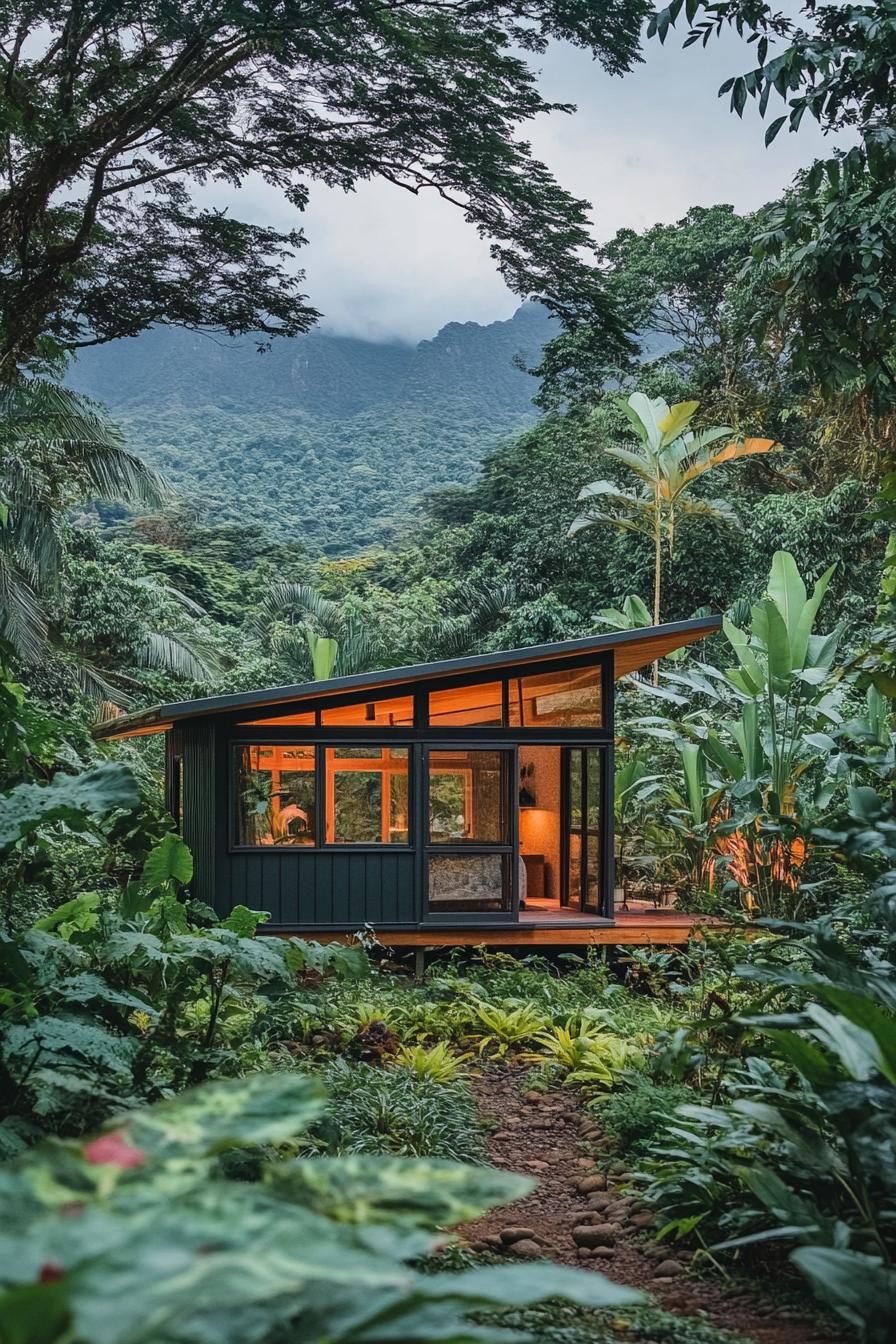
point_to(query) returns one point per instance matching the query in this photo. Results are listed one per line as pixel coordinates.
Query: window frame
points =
(235, 732)
(373, 846)
(321, 845)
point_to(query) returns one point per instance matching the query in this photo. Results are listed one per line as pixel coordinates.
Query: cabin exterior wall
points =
(338, 887)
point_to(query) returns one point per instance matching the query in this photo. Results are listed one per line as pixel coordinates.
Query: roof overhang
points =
(632, 650)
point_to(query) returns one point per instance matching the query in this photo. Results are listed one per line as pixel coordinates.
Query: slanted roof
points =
(632, 649)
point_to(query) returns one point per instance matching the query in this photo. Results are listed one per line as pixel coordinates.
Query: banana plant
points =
(784, 690)
(694, 812)
(670, 457)
(634, 786)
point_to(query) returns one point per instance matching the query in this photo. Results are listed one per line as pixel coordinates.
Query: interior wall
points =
(540, 825)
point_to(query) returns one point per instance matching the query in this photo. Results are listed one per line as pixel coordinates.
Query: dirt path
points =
(540, 1134)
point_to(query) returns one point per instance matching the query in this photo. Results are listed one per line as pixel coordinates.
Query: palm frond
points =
(182, 654)
(23, 620)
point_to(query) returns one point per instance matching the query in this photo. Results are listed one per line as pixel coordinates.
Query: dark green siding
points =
(201, 807)
(344, 889)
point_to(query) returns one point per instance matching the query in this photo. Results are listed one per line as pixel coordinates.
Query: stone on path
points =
(509, 1235)
(604, 1234)
(589, 1185)
(668, 1269)
(528, 1248)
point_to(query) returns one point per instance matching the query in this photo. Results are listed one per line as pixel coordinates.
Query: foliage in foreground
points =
(139, 1237)
(800, 1144)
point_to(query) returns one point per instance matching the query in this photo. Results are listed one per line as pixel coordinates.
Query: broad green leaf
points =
(864, 1013)
(324, 652)
(243, 922)
(769, 627)
(421, 1193)
(745, 655)
(524, 1285)
(807, 617)
(76, 915)
(260, 1108)
(34, 1313)
(679, 417)
(788, 592)
(856, 1048)
(168, 861)
(77, 800)
(860, 1288)
(66, 1041)
(651, 412)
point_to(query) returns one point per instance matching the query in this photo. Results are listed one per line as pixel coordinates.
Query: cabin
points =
(462, 801)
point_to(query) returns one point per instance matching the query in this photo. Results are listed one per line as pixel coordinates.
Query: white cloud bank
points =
(384, 264)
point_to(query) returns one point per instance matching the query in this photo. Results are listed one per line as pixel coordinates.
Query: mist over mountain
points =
(326, 439)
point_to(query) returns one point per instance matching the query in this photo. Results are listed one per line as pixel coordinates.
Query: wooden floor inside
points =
(544, 928)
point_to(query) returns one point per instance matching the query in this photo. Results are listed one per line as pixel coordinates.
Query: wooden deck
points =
(542, 928)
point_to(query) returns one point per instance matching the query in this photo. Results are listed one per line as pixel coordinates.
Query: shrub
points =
(438, 1062)
(396, 1111)
(635, 1118)
(139, 1234)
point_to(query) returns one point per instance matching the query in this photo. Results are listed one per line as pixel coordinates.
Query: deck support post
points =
(419, 964)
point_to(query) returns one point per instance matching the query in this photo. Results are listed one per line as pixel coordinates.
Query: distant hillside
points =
(325, 439)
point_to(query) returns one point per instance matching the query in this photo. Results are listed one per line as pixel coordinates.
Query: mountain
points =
(326, 439)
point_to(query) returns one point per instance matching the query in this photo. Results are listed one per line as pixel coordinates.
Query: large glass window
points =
(570, 699)
(275, 795)
(460, 706)
(367, 795)
(468, 797)
(394, 713)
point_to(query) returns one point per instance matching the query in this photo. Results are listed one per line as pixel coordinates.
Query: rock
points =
(493, 1241)
(536, 1166)
(642, 1221)
(502, 1136)
(604, 1234)
(603, 1252)
(527, 1248)
(619, 1208)
(584, 1162)
(532, 1095)
(509, 1235)
(616, 1168)
(480, 1246)
(668, 1269)
(600, 1202)
(588, 1185)
(583, 1253)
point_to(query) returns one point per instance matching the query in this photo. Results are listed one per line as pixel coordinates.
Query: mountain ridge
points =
(328, 437)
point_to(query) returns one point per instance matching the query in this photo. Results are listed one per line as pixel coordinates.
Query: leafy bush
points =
(636, 1117)
(395, 1111)
(593, 1059)
(506, 1025)
(139, 1237)
(801, 1144)
(438, 1062)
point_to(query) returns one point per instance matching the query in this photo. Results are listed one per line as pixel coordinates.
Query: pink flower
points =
(113, 1150)
(50, 1273)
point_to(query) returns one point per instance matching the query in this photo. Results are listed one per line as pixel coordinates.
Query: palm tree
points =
(56, 449)
(313, 634)
(670, 458)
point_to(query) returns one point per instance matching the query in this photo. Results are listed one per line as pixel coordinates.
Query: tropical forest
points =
(215, 1129)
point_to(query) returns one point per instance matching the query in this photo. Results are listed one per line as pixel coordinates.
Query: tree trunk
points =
(657, 570)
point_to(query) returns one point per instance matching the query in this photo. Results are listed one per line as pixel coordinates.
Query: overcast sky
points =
(644, 148)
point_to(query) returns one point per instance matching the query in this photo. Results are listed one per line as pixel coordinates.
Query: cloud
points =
(384, 264)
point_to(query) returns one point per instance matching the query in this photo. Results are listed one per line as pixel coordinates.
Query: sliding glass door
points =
(470, 833)
(583, 858)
